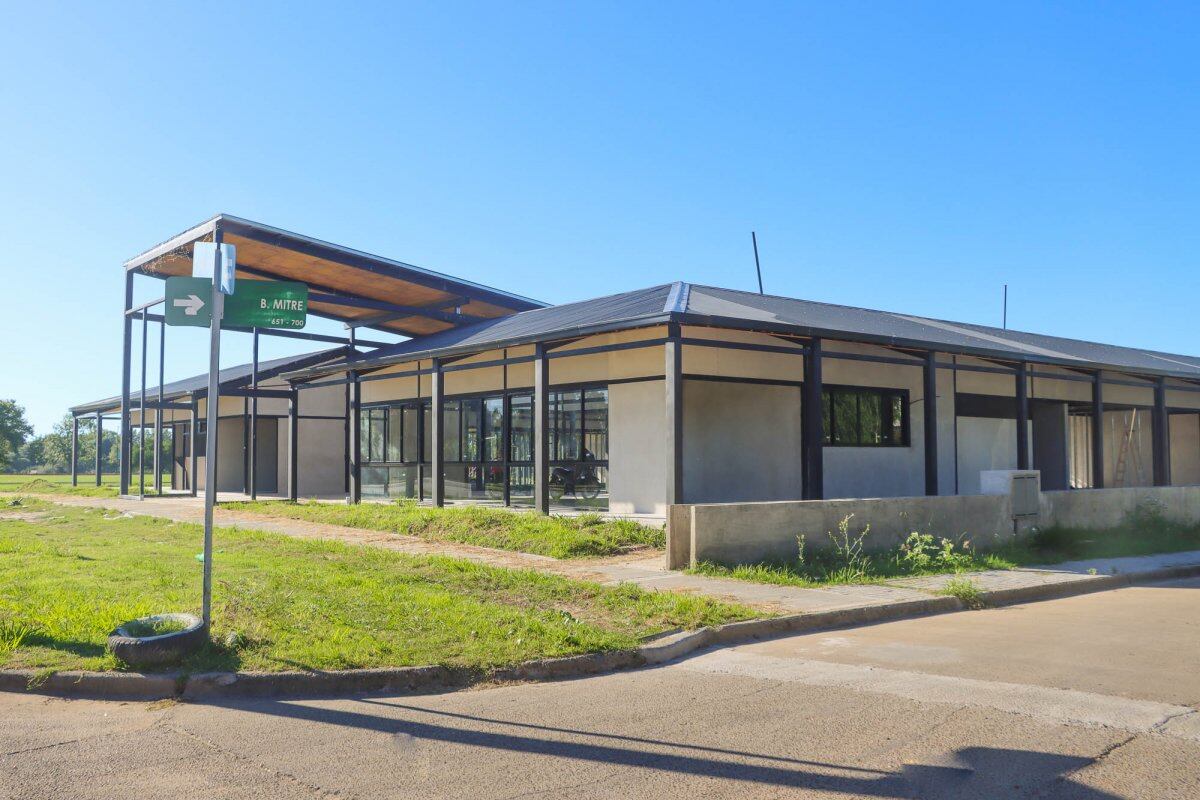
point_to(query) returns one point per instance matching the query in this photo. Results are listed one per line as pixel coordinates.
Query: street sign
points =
(205, 261)
(255, 304)
(267, 304)
(189, 302)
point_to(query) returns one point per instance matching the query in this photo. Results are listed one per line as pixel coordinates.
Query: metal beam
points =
(126, 367)
(158, 428)
(254, 417)
(437, 451)
(673, 376)
(431, 311)
(99, 445)
(541, 430)
(142, 417)
(293, 447)
(1022, 389)
(1098, 431)
(355, 441)
(929, 373)
(193, 455)
(74, 450)
(1161, 427)
(812, 437)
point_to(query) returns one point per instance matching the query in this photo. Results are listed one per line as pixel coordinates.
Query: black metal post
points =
(99, 446)
(437, 450)
(1161, 428)
(158, 412)
(142, 414)
(293, 447)
(194, 455)
(355, 439)
(74, 450)
(126, 367)
(812, 436)
(1022, 381)
(541, 430)
(929, 373)
(1098, 431)
(254, 418)
(673, 385)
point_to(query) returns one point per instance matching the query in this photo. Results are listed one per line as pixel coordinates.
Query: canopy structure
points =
(347, 285)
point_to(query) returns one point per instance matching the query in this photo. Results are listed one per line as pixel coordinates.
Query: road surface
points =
(1087, 697)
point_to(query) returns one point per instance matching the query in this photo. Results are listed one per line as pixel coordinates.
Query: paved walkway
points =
(646, 568)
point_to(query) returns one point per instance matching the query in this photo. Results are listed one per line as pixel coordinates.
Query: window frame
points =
(885, 394)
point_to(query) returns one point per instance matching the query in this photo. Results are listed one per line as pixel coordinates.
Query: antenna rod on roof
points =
(1004, 321)
(757, 267)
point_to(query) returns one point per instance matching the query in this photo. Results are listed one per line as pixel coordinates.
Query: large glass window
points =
(859, 417)
(493, 429)
(520, 416)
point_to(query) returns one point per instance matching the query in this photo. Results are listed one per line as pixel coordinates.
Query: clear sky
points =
(904, 156)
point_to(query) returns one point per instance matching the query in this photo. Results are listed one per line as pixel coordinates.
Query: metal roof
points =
(707, 305)
(229, 377)
(347, 285)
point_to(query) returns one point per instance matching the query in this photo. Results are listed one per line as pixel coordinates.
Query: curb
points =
(413, 680)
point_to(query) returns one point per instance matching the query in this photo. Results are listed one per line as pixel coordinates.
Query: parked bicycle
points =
(581, 480)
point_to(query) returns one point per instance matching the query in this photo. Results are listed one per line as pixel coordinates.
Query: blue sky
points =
(904, 156)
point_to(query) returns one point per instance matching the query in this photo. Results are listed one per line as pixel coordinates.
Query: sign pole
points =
(210, 437)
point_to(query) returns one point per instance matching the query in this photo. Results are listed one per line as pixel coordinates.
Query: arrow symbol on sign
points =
(190, 305)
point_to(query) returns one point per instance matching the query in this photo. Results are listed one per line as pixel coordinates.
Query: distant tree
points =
(14, 430)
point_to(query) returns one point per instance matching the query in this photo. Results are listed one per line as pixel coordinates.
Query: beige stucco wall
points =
(637, 448)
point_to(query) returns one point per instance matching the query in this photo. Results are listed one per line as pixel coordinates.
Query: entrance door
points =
(266, 476)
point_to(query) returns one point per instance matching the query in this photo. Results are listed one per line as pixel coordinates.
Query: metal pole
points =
(293, 443)
(126, 367)
(1022, 381)
(355, 440)
(437, 452)
(158, 428)
(194, 454)
(673, 376)
(757, 267)
(74, 450)
(142, 414)
(210, 440)
(1160, 420)
(254, 419)
(931, 421)
(99, 443)
(1098, 431)
(541, 430)
(812, 438)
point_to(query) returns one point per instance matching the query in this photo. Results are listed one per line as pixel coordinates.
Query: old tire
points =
(162, 650)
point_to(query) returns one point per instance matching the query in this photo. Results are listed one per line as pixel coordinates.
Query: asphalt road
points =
(1087, 697)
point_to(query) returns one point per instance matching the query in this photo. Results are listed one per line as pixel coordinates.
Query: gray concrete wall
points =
(1105, 508)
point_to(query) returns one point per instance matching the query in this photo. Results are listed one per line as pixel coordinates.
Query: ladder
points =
(1128, 452)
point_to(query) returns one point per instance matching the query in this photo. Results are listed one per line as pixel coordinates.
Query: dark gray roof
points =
(707, 305)
(229, 377)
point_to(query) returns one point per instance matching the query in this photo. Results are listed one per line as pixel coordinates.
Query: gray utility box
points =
(1024, 486)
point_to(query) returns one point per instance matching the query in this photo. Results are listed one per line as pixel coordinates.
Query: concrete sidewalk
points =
(648, 571)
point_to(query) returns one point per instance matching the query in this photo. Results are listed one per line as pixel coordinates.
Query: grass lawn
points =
(1144, 534)
(68, 576)
(60, 484)
(586, 535)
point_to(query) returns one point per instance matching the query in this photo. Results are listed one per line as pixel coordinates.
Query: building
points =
(683, 393)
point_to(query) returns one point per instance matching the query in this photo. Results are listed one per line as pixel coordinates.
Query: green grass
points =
(1141, 534)
(69, 576)
(60, 484)
(965, 590)
(152, 627)
(582, 536)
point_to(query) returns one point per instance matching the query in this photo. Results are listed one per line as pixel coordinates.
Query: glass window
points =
(376, 418)
(493, 429)
(521, 425)
(566, 425)
(411, 433)
(595, 424)
(472, 413)
(452, 430)
(395, 435)
(865, 417)
(427, 432)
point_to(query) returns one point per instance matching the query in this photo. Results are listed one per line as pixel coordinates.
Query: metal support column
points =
(194, 455)
(929, 373)
(437, 450)
(99, 447)
(293, 446)
(1022, 381)
(126, 367)
(673, 378)
(142, 413)
(158, 412)
(1161, 428)
(74, 450)
(254, 418)
(812, 436)
(541, 430)
(1098, 431)
(355, 439)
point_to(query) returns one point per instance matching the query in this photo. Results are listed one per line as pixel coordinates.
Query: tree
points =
(14, 430)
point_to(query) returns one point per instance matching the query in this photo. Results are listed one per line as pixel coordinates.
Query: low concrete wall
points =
(747, 533)
(740, 533)
(1104, 508)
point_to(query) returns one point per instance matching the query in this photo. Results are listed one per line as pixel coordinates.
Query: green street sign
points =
(267, 304)
(189, 302)
(254, 304)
